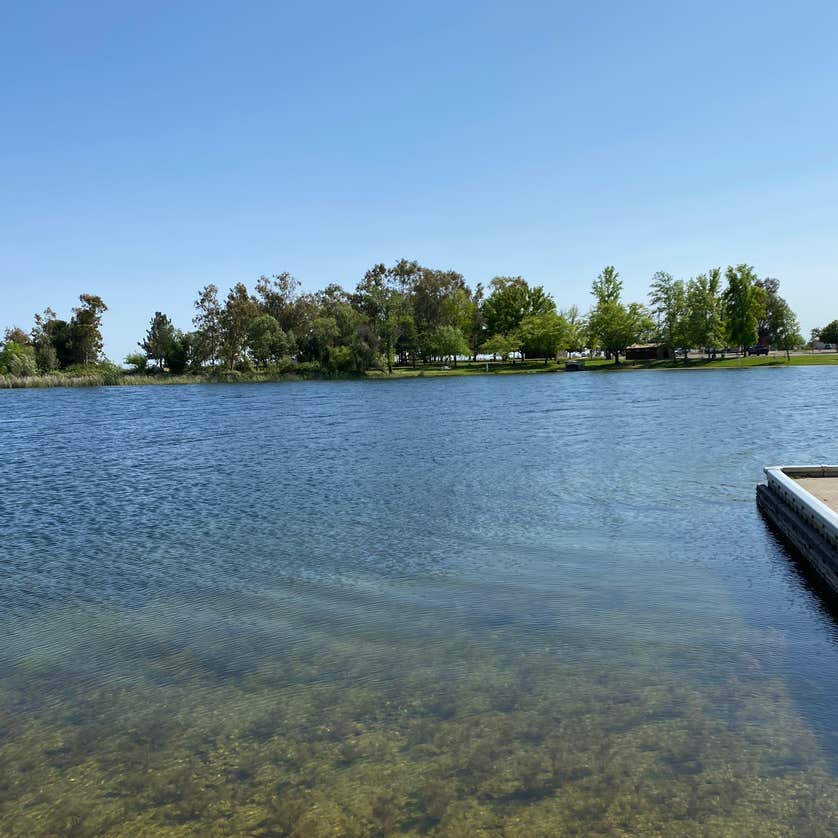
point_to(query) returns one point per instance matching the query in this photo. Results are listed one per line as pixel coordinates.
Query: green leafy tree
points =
(743, 305)
(607, 287)
(268, 343)
(503, 345)
(510, 301)
(207, 322)
(829, 333)
(784, 327)
(159, 339)
(705, 311)
(613, 326)
(321, 339)
(448, 342)
(668, 298)
(766, 294)
(544, 334)
(576, 329)
(377, 298)
(138, 361)
(85, 329)
(181, 351)
(43, 334)
(356, 333)
(239, 311)
(475, 329)
(17, 359)
(278, 296)
(59, 346)
(437, 301)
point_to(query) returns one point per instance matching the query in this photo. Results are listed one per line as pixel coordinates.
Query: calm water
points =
(519, 606)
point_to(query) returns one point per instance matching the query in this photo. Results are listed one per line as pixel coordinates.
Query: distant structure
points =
(647, 352)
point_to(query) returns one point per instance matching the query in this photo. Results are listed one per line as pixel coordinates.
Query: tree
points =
(278, 296)
(85, 329)
(159, 339)
(669, 307)
(207, 343)
(575, 325)
(438, 299)
(766, 295)
(267, 340)
(704, 311)
(376, 298)
(476, 327)
(17, 359)
(607, 287)
(240, 310)
(772, 310)
(448, 342)
(321, 339)
(510, 301)
(44, 337)
(612, 325)
(742, 305)
(784, 327)
(137, 360)
(181, 351)
(544, 334)
(829, 333)
(503, 345)
(14, 334)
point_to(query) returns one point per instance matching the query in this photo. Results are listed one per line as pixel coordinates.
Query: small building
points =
(647, 352)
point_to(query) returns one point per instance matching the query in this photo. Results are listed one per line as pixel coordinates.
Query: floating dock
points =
(802, 502)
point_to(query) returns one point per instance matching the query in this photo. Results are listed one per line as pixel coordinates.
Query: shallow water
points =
(532, 605)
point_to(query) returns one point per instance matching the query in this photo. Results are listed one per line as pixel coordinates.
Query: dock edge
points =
(806, 523)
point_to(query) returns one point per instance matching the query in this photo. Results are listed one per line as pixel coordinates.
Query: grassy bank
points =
(97, 378)
(107, 376)
(604, 365)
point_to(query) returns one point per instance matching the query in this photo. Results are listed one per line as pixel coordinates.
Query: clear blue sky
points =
(150, 148)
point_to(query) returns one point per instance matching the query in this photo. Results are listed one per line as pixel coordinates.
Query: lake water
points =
(524, 606)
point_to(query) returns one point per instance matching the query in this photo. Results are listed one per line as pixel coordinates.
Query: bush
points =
(18, 360)
(138, 361)
(111, 373)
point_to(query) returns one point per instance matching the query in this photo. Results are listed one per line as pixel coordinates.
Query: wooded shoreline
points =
(108, 377)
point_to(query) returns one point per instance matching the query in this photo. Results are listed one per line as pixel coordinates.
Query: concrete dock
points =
(802, 502)
(825, 489)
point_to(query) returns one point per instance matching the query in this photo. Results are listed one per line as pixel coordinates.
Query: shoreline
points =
(98, 378)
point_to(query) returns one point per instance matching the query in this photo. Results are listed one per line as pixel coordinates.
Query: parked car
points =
(756, 350)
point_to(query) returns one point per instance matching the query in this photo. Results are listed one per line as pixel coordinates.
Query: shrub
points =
(111, 373)
(18, 360)
(138, 361)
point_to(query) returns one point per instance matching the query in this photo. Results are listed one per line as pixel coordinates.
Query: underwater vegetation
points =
(293, 727)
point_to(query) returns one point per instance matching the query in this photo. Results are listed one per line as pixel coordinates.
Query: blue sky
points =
(150, 148)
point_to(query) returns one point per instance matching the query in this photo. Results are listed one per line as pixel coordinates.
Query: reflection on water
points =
(308, 639)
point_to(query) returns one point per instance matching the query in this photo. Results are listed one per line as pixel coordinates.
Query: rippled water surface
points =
(518, 606)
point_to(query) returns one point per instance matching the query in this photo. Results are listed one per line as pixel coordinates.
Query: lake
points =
(530, 605)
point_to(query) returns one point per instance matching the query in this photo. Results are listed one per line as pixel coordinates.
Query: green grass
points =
(725, 363)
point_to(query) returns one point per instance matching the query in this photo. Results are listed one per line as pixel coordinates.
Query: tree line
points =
(406, 314)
